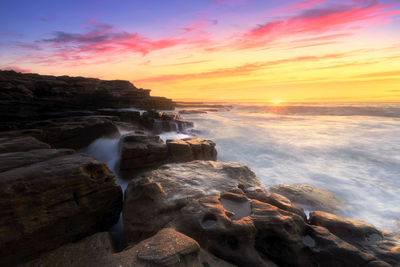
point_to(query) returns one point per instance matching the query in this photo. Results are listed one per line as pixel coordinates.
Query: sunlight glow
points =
(276, 102)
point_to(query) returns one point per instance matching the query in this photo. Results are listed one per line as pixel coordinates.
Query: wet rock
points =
(20, 144)
(139, 151)
(192, 111)
(124, 115)
(14, 160)
(225, 209)
(188, 149)
(159, 122)
(76, 132)
(27, 97)
(154, 199)
(90, 251)
(316, 198)
(383, 244)
(166, 248)
(46, 204)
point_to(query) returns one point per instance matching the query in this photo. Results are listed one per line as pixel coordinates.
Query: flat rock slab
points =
(167, 248)
(140, 151)
(14, 160)
(20, 144)
(188, 149)
(315, 198)
(53, 202)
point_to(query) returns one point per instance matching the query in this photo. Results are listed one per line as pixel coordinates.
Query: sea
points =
(349, 149)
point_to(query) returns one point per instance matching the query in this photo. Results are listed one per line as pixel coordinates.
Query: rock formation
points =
(166, 248)
(311, 196)
(29, 97)
(139, 151)
(227, 211)
(188, 149)
(51, 197)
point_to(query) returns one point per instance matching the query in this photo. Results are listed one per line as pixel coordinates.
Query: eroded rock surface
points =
(159, 122)
(48, 201)
(167, 248)
(384, 245)
(226, 210)
(311, 196)
(20, 144)
(140, 151)
(189, 149)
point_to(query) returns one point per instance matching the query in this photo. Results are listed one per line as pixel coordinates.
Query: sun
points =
(276, 102)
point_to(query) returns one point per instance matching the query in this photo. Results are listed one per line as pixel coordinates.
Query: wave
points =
(392, 111)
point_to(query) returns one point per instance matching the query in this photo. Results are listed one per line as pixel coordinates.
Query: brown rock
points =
(166, 248)
(188, 149)
(316, 198)
(221, 206)
(140, 151)
(154, 199)
(47, 204)
(20, 144)
(14, 160)
(192, 111)
(78, 132)
(384, 245)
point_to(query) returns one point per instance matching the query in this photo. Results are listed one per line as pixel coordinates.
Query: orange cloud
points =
(235, 71)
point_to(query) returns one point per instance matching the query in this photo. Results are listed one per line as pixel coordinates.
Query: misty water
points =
(350, 150)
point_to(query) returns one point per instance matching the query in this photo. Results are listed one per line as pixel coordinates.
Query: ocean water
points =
(352, 150)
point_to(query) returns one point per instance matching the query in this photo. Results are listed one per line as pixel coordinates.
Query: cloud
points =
(319, 21)
(300, 6)
(103, 42)
(380, 74)
(235, 71)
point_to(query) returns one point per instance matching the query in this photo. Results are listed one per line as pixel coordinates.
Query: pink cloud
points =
(319, 21)
(106, 42)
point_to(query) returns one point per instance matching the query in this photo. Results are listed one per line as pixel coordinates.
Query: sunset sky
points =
(248, 50)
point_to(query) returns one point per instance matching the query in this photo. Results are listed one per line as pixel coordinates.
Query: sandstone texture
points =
(28, 97)
(189, 149)
(227, 211)
(311, 196)
(167, 248)
(50, 197)
(140, 151)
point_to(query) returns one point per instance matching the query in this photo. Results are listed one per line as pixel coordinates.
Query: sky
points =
(217, 50)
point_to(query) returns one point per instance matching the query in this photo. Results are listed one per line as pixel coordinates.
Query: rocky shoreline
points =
(181, 208)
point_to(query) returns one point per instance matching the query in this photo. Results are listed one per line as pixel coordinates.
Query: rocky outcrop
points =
(227, 211)
(21, 143)
(189, 149)
(167, 248)
(29, 97)
(52, 197)
(139, 151)
(192, 111)
(382, 244)
(311, 196)
(154, 199)
(73, 132)
(159, 122)
(13, 160)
